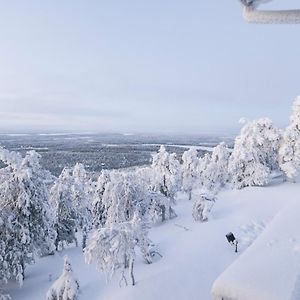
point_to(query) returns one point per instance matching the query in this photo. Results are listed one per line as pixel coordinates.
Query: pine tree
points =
(289, 153)
(215, 174)
(61, 199)
(255, 154)
(166, 177)
(99, 213)
(66, 287)
(26, 221)
(190, 163)
(81, 198)
(203, 206)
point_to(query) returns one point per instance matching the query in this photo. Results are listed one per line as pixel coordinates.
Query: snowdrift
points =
(270, 268)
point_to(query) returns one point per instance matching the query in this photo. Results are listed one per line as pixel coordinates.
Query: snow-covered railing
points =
(272, 17)
(270, 268)
(253, 15)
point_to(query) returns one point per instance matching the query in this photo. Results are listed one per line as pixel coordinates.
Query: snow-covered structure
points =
(289, 152)
(66, 287)
(270, 268)
(253, 15)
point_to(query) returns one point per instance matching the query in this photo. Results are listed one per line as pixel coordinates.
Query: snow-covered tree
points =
(289, 153)
(203, 164)
(61, 199)
(26, 221)
(189, 170)
(202, 207)
(166, 175)
(81, 198)
(66, 287)
(113, 248)
(4, 296)
(255, 153)
(215, 174)
(99, 214)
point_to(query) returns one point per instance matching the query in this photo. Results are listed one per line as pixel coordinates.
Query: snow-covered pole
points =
(272, 16)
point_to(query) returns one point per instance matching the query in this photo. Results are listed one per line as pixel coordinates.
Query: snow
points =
(269, 268)
(194, 254)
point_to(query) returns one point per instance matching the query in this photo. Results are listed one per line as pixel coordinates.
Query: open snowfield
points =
(194, 254)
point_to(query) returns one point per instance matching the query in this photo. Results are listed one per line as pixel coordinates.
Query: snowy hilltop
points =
(156, 232)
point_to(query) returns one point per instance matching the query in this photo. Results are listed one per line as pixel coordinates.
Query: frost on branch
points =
(66, 287)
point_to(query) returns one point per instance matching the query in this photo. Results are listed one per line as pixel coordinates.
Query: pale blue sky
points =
(143, 66)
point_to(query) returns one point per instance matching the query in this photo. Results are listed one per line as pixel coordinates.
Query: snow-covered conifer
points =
(166, 175)
(81, 199)
(215, 174)
(202, 207)
(189, 170)
(289, 153)
(26, 221)
(255, 153)
(66, 287)
(61, 199)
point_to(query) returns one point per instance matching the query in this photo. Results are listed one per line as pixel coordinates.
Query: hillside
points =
(194, 254)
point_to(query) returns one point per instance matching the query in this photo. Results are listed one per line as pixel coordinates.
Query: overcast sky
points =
(143, 66)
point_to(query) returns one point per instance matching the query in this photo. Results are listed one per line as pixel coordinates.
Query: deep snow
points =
(194, 254)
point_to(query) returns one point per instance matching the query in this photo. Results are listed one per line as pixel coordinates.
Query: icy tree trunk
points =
(272, 17)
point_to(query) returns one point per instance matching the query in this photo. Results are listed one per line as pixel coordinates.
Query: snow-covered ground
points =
(194, 254)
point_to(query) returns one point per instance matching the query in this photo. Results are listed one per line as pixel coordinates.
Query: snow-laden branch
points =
(272, 16)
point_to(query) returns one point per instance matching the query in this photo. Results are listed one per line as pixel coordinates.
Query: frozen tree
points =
(203, 164)
(123, 196)
(202, 206)
(215, 174)
(159, 207)
(166, 173)
(253, 15)
(66, 287)
(81, 198)
(98, 207)
(61, 199)
(289, 153)
(4, 296)
(166, 176)
(255, 153)
(189, 170)
(113, 248)
(26, 221)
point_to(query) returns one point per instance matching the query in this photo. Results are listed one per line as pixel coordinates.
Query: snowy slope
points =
(192, 259)
(270, 268)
